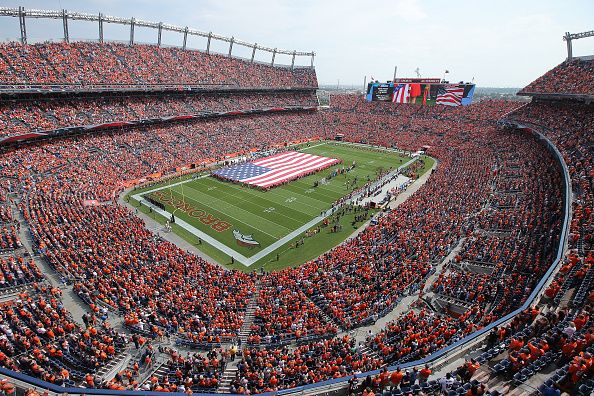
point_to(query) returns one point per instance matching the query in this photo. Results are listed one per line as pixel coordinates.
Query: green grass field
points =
(273, 214)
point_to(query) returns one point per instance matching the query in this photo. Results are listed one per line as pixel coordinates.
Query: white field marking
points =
(331, 186)
(257, 204)
(321, 189)
(315, 145)
(235, 218)
(243, 210)
(325, 204)
(195, 231)
(249, 191)
(175, 184)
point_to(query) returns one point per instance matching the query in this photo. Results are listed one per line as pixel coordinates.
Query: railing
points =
(22, 14)
(582, 97)
(339, 383)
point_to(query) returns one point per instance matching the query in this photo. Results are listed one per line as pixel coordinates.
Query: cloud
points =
(409, 10)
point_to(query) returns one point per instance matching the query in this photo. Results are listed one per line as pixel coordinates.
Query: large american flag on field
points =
(449, 96)
(277, 169)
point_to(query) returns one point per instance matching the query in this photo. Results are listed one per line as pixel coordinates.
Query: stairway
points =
(108, 371)
(440, 268)
(160, 371)
(582, 291)
(568, 282)
(249, 316)
(366, 350)
(327, 318)
(227, 378)
(248, 319)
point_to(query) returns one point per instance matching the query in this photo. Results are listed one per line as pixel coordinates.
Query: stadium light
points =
(574, 36)
(65, 25)
(254, 51)
(21, 14)
(100, 27)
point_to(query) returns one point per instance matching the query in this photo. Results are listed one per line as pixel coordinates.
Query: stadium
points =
(188, 221)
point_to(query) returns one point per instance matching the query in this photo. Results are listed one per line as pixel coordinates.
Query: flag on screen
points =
(401, 93)
(271, 171)
(449, 96)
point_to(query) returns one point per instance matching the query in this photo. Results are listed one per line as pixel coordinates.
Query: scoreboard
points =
(381, 92)
(426, 91)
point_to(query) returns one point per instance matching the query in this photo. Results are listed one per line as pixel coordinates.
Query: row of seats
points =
(86, 63)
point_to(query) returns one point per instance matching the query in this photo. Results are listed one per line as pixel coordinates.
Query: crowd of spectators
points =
(85, 63)
(416, 335)
(284, 313)
(18, 270)
(570, 77)
(40, 338)
(275, 368)
(195, 371)
(19, 117)
(9, 238)
(535, 341)
(5, 203)
(494, 242)
(114, 260)
(569, 126)
(181, 294)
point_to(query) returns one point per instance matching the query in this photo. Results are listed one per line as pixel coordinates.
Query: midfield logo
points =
(245, 240)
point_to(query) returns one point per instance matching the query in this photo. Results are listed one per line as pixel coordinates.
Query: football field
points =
(218, 217)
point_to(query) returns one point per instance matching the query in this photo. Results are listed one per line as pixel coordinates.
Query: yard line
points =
(327, 187)
(238, 208)
(294, 184)
(252, 193)
(235, 218)
(276, 190)
(365, 154)
(315, 145)
(284, 194)
(319, 191)
(221, 191)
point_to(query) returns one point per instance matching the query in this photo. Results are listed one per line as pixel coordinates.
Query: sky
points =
(504, 43)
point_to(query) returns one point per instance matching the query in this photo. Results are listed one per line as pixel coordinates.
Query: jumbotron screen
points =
(428, 91)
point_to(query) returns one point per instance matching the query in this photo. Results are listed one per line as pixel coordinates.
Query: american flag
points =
(401, 93)
(271, 171)
(450, 96)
